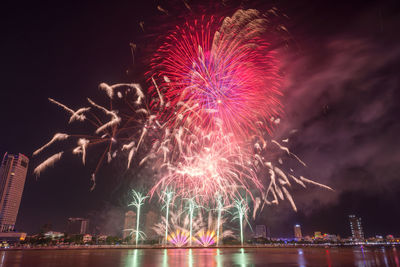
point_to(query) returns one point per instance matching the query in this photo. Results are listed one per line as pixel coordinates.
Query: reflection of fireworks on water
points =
(213, 100)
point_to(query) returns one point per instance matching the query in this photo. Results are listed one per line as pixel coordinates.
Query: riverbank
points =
(79, 247)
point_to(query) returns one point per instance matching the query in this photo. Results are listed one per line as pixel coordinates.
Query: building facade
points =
(78, 226)
(13, 171)
(297, 232)
(357, 232)
(318, 235)
(129, 224)
(151, 220)
(261, 231)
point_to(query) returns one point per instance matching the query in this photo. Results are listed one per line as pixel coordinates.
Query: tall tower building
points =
(78, 226)
(129, 224)
(261, 231)
(357, 232)
(297, 232)
(151, 220)
(13, 171)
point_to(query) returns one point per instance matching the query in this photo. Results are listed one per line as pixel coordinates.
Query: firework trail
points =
(192, 206)
(81, 149)
(75, 115)
(116, 131)
(220, 208)
(56, 137)
(47, 163)
(167, 198)
(138, 201)
(241, 210)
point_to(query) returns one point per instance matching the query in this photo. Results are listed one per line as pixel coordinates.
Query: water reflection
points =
(385, 259)
(301, 261)
(396, 259)
(359, 259)
(240, 259)
(328, 258)
(218, 258)
(134, 258)
(2, 256)
(165, 258)
(190, 260)
(302, 257)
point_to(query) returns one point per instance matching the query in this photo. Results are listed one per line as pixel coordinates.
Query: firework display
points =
(225, 79)
(204, 126)
(206, 238)
(241, 209)
(179, 238)
(138, 201)
(167, 198)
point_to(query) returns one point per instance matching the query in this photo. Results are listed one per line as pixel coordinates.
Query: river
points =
(302, 257)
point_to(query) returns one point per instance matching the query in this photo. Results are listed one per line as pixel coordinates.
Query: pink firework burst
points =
(210, 164)
(212, 73)
(206, 239)
(179, 238)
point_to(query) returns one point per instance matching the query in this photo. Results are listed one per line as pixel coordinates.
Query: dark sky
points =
(341, 90)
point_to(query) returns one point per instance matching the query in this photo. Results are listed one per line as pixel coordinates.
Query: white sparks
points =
(109, 89)
(158, 91)
(93, 179)
(289, 197)
(288, 152)
(56, 137)
(47, 163)
(75, 115)
(114, 121)
(81, 149)
(315, 183)
(166, 79)
(162, 9)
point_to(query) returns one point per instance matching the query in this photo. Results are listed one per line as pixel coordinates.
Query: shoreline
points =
(92, 247)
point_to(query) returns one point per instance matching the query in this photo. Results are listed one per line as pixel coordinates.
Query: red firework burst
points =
(217, 74)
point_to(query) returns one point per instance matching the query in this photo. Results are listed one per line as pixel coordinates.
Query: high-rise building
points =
(356, 228)
(78, 226)
(269, 232)
(13, 171)
(129, 224)
(151, 220)
(297, 232)
(261, 231)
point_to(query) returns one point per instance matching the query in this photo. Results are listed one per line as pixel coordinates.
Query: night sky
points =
(341, 93)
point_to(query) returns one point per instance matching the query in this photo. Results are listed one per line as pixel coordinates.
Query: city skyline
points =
(351, 139)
